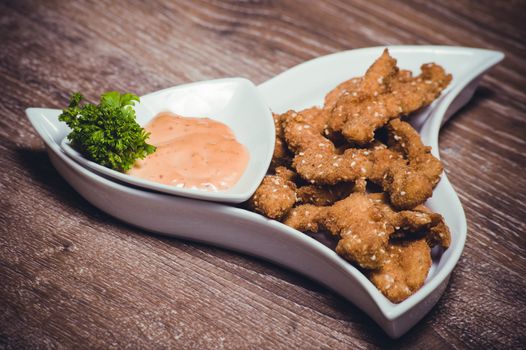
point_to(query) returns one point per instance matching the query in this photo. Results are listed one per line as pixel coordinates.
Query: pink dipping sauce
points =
(198, 153)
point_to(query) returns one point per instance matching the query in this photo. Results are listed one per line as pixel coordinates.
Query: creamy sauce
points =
(198, 153)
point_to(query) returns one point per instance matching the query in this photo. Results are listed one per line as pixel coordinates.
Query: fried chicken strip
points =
(409, 180)
(404, 271)
(406, 170)
(437, 235)
(385, 94)
(343, 89)
(363, 223)
(281, 155)
(276, 194)
(326, 195)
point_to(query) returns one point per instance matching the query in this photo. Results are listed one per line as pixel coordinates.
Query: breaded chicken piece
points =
(374, 82)
(354, 86)
(325, 195)
(304, 129)
(281, 156)
(363, 223)
(406, 170)
(405, 139)
(316, 158)
(404, 271)
(437, 235)
(412, 183)
(345, 88)
(383, 96)
(276, 194)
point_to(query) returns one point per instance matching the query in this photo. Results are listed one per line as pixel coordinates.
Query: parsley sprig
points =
(107, 133)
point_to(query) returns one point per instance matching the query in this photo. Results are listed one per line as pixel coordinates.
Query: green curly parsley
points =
(107, 133)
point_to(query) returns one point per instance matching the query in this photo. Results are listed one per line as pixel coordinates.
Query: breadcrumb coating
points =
(324, 195)
(275, 196)
(281, 155)
(383, 95)
(363, 223)
(404, 271)
(406, 170)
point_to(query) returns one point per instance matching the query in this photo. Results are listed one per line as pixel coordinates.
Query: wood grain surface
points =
(73, 277)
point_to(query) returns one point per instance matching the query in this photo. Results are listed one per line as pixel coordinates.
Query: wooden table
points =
(73, 277)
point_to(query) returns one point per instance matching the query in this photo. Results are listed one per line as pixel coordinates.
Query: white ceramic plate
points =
(235, 102)
(247, 232)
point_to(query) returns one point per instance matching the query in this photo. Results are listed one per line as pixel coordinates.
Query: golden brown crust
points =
(281, 155)
(323, 195)
(405, 270)
(275, 195)
(278, 193)
(363, 223)
(305, 218)
(403, 137)
(438, 234)
(410, 184)
(384, 94)
(345, 88)
(407, 170)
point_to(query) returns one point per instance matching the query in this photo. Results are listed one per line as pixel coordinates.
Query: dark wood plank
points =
(71, 276)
